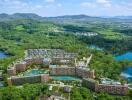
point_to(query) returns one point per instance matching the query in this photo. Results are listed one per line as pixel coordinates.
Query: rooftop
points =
(108, 81)
(48, 53)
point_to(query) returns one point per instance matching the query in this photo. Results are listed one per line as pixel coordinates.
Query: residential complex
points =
(57, 62)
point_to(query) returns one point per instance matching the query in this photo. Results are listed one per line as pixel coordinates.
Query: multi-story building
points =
(114, 89)
(61, 63)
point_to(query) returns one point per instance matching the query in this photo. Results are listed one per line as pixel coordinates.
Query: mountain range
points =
(33, 16)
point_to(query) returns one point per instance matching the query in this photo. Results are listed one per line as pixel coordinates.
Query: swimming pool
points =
(65, 78)
(54, 66)
(33, 72)
(57, 66)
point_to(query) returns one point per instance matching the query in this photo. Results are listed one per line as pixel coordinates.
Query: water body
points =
(3, 54)
(127, 74)
(33, 72)
(125, 56)
(64, 78)
(1, 84)
(94, 47)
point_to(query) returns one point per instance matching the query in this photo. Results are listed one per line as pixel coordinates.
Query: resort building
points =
(83, 62)
(86, 34)
(85, 73)
(70, 71)
(16, 80)
(111, 88)
(57, 62)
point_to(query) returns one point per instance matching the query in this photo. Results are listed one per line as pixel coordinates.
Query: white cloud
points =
(39, 6)
(102, 1)
(88, 5)
(14, 6)
(105, 3)
(50, 1)
(48, 7)
(59, 5)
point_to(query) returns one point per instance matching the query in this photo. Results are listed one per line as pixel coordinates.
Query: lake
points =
(3, 54)
(127, 74)
(125, 56)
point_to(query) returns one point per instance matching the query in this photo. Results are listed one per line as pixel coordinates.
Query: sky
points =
(68, 7)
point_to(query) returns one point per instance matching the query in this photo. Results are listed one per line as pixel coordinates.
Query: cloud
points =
(50, 1)
(39, 6)
(105, 3)
(88, 5)
(97, 3)
(52, 7)
(59, 5)
(102, 1)
(14, 6)
(12, 3)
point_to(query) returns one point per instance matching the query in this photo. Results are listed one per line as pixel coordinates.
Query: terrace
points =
(108, 81)
(33, 72)
(48, 53)
(44, 64)
(83, 62)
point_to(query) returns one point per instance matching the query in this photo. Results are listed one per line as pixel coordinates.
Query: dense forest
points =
(34, 91)
(20, 34)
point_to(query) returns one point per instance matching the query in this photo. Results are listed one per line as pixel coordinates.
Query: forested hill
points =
(111, 30)
(15, 16)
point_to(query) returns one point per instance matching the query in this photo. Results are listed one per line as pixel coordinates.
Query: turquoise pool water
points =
(65, 78)
(127, 74)
(3, 55)
(125, 56)
(33, 72)
(53, 66)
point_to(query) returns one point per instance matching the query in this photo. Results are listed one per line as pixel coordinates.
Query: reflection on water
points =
(127, 74)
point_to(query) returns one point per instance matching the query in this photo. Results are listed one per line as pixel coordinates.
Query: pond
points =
(3, 54)
(1, 84)
(65, 78)
(95, 47)
(125, 56)
(127, 74)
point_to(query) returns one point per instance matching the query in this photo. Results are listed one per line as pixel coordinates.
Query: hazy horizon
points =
(51, 8)
(69, 15)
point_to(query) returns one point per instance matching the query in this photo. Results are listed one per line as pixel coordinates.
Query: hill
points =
(17, 16)
(82, 17)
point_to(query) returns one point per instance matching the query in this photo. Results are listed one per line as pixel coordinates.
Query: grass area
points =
(109, 34)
